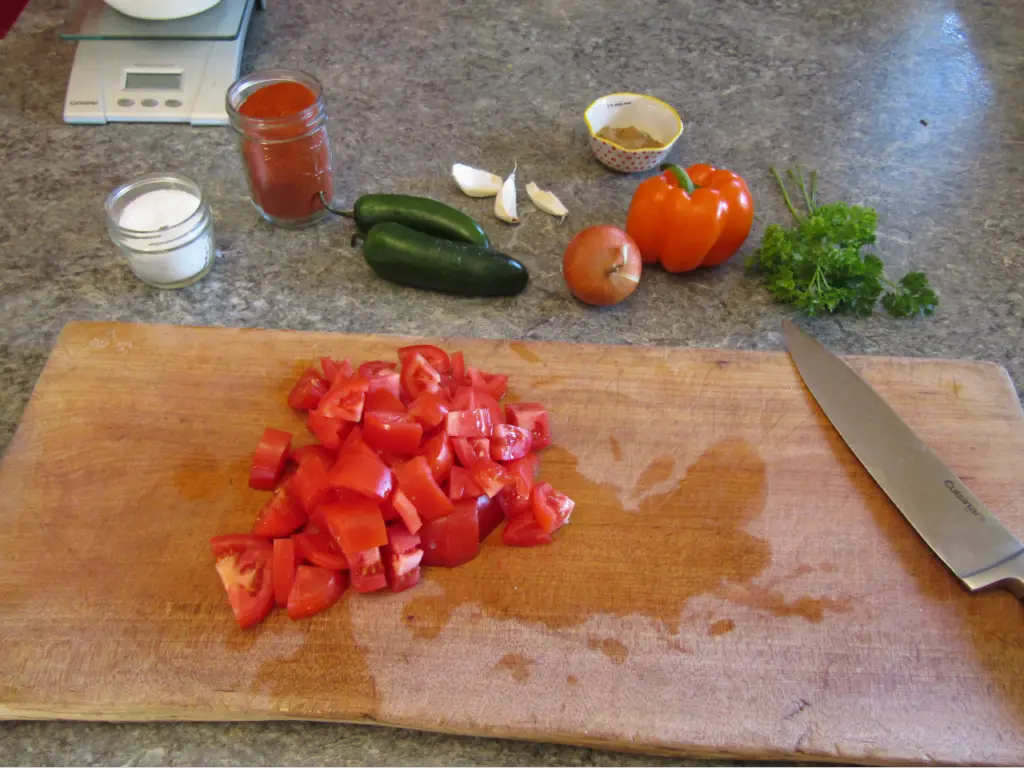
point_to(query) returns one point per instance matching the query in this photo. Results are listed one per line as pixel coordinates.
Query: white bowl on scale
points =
(161, 10)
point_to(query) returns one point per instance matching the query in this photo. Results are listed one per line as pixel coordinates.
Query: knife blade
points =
(954, 522)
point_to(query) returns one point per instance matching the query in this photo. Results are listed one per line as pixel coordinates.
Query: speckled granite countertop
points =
(915, 107)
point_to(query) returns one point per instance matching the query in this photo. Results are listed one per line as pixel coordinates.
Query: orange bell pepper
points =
(688, 219)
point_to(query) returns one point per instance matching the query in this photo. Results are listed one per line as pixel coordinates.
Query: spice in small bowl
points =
(164, 226)
(631, 132)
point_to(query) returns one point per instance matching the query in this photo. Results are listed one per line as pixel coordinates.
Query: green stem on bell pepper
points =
(685, 182)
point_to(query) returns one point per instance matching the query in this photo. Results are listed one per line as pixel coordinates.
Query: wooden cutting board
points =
(732, 582)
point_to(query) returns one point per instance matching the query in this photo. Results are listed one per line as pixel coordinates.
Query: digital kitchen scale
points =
(134, 70)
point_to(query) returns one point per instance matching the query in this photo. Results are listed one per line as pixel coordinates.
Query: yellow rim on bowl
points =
(666, 145)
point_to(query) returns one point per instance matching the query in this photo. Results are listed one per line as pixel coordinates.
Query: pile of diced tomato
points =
(415, 464)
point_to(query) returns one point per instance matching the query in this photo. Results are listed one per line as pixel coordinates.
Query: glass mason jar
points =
(164, 226)
(285, 149)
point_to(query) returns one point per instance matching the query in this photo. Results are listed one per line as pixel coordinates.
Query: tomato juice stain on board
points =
(655, 473)
(616, 448)
(767, 599)
(517, 665)
(610, 647)
(722, 627)
(546, 381)
(304, 684)
(679, 544)
(524, 352)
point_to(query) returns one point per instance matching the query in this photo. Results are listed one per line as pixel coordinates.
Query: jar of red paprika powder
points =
(281, 122)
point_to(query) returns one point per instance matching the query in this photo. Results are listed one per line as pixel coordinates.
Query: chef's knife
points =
(968, 538)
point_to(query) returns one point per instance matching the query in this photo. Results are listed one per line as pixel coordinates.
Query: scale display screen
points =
(152, 81)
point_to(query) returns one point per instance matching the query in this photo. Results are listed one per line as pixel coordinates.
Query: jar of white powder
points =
(164, 226)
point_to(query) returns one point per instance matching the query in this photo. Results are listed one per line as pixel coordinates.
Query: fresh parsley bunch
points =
(818, 265)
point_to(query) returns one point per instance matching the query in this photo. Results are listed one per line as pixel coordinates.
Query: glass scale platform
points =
(136, 70)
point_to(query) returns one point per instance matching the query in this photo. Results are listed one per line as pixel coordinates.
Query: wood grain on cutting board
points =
(732, 582)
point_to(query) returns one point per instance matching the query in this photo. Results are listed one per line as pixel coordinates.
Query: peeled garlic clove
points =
(474, 182)
(546, 201)
(505, 202)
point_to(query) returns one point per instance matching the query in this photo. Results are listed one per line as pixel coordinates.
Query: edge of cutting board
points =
(391, 337)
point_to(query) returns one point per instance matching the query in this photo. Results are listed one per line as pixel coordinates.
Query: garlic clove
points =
(474, 182)
(546, 201)
(505, 202)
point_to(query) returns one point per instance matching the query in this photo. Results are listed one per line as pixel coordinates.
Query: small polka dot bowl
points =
(621, 110)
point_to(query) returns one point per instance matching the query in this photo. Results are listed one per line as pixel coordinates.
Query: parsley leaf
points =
(818, 265)
(913, 295)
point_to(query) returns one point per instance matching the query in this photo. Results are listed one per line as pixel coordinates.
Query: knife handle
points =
(1008, 575)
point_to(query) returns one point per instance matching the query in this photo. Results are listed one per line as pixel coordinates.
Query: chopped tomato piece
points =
(406, 510)
(387, 508)
(526, 467)
(371, 368)
(333, 370)
(475, 423)
(316, 589)
(279, 516)
(306, 394)
(362, 473)
(345, 399)
(417, 482)
(462, 485)
(437, 450)
(509, 443)
(429, 408)
(489, 515)
(355, 526)
(436, 356)
(401, 539)
(533, 417)
(286, 560)
(290, 468)
(392, 459)
(551, 508)
(464, 399)
(328, 431)
(354, 443)
(490, 476)
(325, 455)
(382, 401)
(269, 459)
(318, 547)
(393, 432)
(402, 571)
(388, 381)
(494, 384)
(368, 571)
(523, 531)
(514, 499)
(459, 377)
(454, 539)
(244, 564)
(469, 450)
(309, 484)
(486, 400)
(402, 556)
(418, 376)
